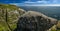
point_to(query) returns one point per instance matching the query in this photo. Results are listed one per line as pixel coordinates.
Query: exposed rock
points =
(11, 13)
(35, 21)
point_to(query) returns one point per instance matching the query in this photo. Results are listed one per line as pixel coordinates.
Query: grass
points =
(58, 30)
(58, 25)
(11, 7)
(54, 27)
(12, 16)
(3, 26)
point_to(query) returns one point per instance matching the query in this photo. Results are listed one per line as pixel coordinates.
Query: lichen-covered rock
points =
(34, 21)
(13, 16)
(11, 13)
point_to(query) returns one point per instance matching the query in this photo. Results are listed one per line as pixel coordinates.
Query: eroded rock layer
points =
(35, 21)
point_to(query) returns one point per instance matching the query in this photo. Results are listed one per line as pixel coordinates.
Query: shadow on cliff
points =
(35, 21)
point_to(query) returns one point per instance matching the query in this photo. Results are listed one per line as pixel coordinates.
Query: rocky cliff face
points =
(34, 21)
(9, 15)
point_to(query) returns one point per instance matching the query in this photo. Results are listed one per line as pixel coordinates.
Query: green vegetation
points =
(58, 30)
(9, 15)
(13, 14)
(58, 25)
(11, 7)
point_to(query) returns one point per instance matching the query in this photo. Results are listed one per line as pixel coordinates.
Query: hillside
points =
(58, 26)
(9, 15)
(35, 21)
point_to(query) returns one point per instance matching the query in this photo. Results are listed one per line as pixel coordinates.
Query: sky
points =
(30, 2)
(12, 1)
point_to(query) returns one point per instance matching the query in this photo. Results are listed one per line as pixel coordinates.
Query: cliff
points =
(35, 21)
(13, 18)
(9, 15)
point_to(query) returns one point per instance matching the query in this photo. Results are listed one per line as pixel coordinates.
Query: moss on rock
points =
(12, 13)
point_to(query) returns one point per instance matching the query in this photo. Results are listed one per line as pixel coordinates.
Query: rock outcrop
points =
(35, 21)
(9, 15)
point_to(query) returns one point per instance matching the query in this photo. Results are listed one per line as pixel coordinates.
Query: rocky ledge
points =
(35, 21)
